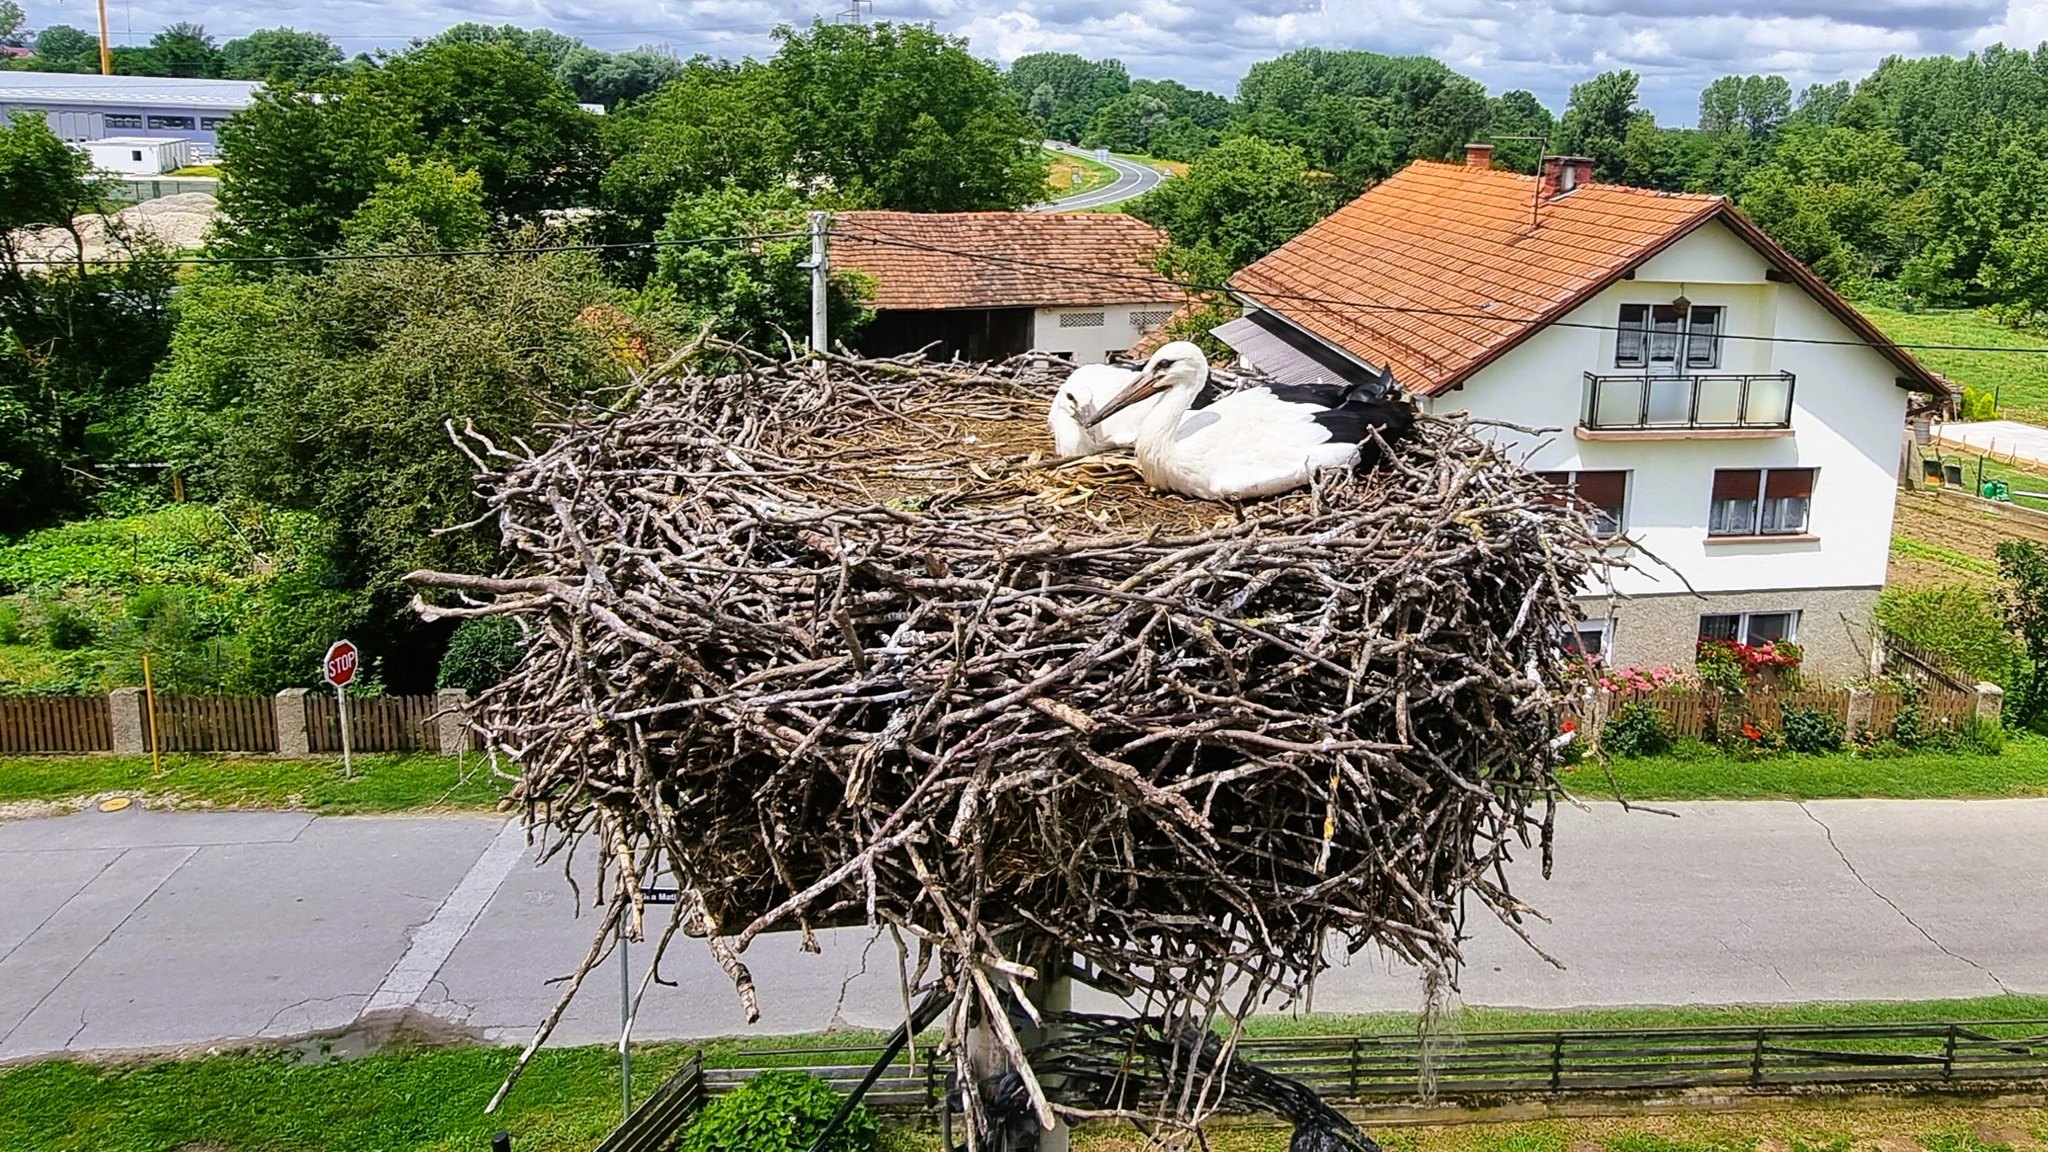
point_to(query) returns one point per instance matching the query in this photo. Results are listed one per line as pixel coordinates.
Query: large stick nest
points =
(835, 642)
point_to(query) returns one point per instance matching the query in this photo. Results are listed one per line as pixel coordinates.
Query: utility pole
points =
(106, 53)
(852, 14)
(820, 266)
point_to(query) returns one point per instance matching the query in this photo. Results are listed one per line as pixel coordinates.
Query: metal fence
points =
(1475, 1064)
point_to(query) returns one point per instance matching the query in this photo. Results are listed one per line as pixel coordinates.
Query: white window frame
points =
(1642, 332)
(1742, 623)
(1760, 510)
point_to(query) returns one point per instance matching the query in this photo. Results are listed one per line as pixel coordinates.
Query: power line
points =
(1331, 302)
(433, 254)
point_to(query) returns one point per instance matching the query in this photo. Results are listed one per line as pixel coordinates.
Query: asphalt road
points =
(1132, 181)
(144, 931)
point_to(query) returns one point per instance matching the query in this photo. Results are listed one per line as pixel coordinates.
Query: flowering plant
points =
(1640, 679)
(1733, 667)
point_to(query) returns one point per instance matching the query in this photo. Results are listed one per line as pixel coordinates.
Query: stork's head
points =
(1178, 367)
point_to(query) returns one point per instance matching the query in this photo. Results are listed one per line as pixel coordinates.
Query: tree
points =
(1596, 122)
(2017, 274)
(280, 54)
(1847, 203)
(184, 49)
(1751, 105)
(421, 206)
(11, 17)
(1241, 200)
(754, 293)
(1820, 104)
(904, 116)
(61, 47)
(1517, 113)
(615, 79)
(76, 340)
(327, 392)
(1361, 115)
(2023, 602)
(1127, 123)
(293, 168)
(1993, 185)
(1064, 92)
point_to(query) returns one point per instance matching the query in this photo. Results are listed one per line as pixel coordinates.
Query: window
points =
(1605, 495)
(1760, 502)
(135, 154)
(1590, 639)
(113, 120)
(1750, 627)
(1081, 319)
(1659, 337)
(1147, 321)
(173, 122)
(211, 123)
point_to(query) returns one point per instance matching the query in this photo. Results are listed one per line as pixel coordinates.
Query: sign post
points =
(338, 669)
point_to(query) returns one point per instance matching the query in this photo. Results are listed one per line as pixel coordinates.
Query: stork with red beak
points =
(1258, 441)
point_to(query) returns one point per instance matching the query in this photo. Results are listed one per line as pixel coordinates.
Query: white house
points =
(988, 285)
(137, 155)
(1725, 410)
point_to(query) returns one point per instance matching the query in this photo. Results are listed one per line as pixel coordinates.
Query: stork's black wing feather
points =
(1209, 394)
(1352, 421)
(1318, 394)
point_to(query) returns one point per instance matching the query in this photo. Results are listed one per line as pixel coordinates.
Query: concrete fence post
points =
(451, 722)
(128, 721)
(1990, 703)
(293, 739)
(1862, 705)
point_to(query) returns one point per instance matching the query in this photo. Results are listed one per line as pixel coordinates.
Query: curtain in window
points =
(1788, 494)
(1628, 342)
(1703, 339)
(1733, 511)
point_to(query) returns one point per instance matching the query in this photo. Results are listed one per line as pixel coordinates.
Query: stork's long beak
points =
(1147, 385)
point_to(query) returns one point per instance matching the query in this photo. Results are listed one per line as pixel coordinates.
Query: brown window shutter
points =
(1783, 482)
(1736, 483)
(1603, 489)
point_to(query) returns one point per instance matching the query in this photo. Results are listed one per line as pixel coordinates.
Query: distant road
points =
(1132, 181)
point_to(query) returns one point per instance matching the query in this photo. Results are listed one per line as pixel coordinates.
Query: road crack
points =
(1893, 905)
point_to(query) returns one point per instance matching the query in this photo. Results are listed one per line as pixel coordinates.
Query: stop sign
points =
(340, 666)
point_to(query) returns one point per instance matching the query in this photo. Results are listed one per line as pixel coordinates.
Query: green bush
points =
(1986, 736)
(10, 622)
(1637, 730)
(1811, 730)
(778, 1112)
(481, 652)
(63, 625)
(1956, 621)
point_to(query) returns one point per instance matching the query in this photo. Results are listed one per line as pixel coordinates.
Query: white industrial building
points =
(83, 107)
(137, 155)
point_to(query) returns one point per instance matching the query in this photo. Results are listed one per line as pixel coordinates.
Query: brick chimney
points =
(1561, 174)
(1478, 155)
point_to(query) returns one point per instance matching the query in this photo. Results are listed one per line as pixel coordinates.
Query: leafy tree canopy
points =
(280, 54)
(759, 293)
(1597, 120)
(1241, 200)
(1064, 92)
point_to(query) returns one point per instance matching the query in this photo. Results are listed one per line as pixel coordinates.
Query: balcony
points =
(1694, 406)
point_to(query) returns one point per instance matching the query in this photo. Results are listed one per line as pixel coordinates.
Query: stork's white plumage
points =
(1085, 392)
(1258, 441)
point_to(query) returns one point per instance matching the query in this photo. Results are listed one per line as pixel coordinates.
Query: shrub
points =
(1982, 735)
(63, 625)
(1758, 742)
(1636, 730)
(1910, 728)
(1640, 679)
(481, 652)
(10, 622)
(1811, 730)
(1732, 667)
(1955, 621)
(778, 1112)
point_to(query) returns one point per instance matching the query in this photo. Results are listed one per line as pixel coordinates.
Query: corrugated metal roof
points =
(1262, 340)
(125, 91)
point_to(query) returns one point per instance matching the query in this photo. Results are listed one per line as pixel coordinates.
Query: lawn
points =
(1061, 183)
(431, 1100)
(2019, 381)
(382, 783)
(1700, 772)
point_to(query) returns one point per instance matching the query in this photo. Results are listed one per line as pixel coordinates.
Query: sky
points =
(1545, 46)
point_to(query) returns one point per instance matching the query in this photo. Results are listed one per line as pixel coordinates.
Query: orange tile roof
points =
(1001, 259)
(1447, 238)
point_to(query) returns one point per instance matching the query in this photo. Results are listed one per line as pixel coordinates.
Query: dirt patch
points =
(2005, 1135)
(176, 222)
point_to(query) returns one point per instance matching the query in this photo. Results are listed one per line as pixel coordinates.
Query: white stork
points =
(1258, 441)
(1076, 430)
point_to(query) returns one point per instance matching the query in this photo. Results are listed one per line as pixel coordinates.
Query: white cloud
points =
(1542, 45)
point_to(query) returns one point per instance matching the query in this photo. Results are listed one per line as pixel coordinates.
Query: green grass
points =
(2018, 479)
(1473, 1019)
(1920, 550)
(1060, 181)
(2021, 382)
(409, 1101)
(1698, 772)
(383, 783)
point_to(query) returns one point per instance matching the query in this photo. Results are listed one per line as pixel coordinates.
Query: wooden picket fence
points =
(1690, 711)
(375, 723)
(215, 724)
(55, 724)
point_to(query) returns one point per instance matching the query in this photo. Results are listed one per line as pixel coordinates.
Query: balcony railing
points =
(1640, 402)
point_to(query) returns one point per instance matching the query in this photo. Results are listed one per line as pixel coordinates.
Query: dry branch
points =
(834, 642)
